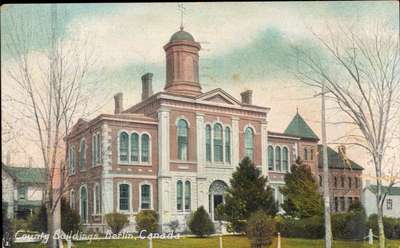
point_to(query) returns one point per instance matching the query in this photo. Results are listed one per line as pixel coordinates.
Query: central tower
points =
(182, 57)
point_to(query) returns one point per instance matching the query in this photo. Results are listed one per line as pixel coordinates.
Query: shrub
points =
(390, 225)
(350, 225)
(70, 220)
(147, 220)
(311, 228)
(200, 223)
(116, 221)
(38, 222)
(260, 229)
(174, 224)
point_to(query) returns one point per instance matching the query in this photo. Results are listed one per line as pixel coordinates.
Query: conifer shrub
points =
(200, 223)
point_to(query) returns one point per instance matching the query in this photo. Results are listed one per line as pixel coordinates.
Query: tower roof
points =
(300, 128)
(181, 35)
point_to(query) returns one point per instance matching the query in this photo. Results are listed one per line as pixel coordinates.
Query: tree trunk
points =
(381, 229)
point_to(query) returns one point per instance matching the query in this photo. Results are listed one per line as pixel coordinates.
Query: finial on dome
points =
(182, 10)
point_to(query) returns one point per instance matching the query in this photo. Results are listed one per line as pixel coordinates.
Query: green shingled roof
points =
(299, 127)
(26, 174)
(336, 160)
(181, 35)
(392, 191)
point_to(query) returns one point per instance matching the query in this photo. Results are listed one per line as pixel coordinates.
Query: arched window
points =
(96, 199)
(218, 143)
(84, 205)
(227, 145)
(208, 143)
(145, 196)
(72, 160)
(72, 199)
(305, 153)
(82, 155)
(188, 195)
(134, 147)
(270, 158)
(285, 159)
(124, 201)
(123, 147)
(182, 132)
(179, 195)
(95, 149)
(278, 158)
(145, 148)
(249, 142)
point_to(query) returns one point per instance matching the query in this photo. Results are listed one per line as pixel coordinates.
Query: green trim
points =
(392, 191)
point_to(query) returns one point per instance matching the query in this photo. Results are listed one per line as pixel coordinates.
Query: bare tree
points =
(360, 70)
(52, 90)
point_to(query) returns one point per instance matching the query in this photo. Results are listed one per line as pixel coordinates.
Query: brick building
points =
(177, 149)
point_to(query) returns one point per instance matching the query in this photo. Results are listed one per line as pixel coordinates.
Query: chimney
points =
(247, 97)
(342, 149)
(118, 108)
(147, 90)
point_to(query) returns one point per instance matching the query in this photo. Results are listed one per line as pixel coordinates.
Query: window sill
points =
(96, 215)
(149, 164)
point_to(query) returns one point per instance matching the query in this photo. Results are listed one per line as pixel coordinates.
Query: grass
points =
(228, 242)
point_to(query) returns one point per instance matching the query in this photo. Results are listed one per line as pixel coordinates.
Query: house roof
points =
(336, 160)
(27, 174)
(300, 128)
(392, 191)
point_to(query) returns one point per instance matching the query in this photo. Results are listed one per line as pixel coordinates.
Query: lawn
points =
(228, 242)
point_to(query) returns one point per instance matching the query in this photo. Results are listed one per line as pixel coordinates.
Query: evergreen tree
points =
(301, 192)
(200, 223)
(247, 194)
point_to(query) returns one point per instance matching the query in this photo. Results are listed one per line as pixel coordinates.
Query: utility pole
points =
(327, 209)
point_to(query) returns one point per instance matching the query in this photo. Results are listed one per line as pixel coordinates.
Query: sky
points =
(244, 46)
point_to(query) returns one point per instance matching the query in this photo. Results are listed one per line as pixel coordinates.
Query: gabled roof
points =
(300, 128)
(26, 174)
(336, 160)
(218, 95)
(392, 191)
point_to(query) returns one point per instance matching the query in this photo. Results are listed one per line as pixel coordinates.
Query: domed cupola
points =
(182, 57)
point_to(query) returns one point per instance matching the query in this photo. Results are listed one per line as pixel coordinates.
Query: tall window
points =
(349, 182)
(389, 204)
(320, 181)
(72, 199)
(22, 193)
(98, 148)
(342, 181)
(208, 143)
(145, 197)
(218, 143)
(84, 205)
(356, 182)
(145, 148)
(71, 160)
(124, 197)
(335, 182)
(227, 145)
(249, 142)
(270, 158)
(123, 147)
(278, 158)
(312, 154)
(305, 154)
(182, 132)
(285, 159)
(188, 195)
(179, 195)
(134, 147)
(82, 155)
(96, 196)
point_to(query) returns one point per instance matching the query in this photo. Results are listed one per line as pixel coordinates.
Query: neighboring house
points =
(391, 206)
(23, 189)
(176, 150)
